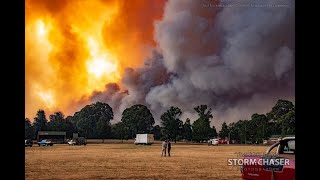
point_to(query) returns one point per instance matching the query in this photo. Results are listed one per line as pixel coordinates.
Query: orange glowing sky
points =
(75, 47)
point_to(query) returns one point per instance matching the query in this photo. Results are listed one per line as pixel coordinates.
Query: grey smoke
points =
(137, 82)
(237, 60)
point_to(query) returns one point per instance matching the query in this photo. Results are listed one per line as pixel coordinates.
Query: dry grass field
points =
(129, 161)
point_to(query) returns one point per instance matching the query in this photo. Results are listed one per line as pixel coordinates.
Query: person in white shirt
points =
(164, 148)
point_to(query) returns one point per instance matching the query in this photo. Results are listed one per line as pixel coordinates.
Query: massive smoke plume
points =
(237, 60)
(236, 56)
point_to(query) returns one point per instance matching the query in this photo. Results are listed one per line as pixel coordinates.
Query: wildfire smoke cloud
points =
(181, 53)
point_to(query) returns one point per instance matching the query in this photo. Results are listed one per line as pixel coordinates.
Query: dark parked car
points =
(28, 142)
(45, 142)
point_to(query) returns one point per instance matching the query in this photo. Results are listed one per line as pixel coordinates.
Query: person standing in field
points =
(164, 148)
(169, 147)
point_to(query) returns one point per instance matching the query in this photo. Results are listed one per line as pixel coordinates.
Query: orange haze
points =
(75, 47)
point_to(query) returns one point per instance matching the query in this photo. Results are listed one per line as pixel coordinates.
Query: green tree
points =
(156, 130)
(57, 122)
(241, 132)
(70, 126)
(281, 108)
(281, 119)
(234, 132)
(187, 130)
(259, 127)
(214, 132)
(201, 127)
(287, 123)
(119, 131)
(246, 128)
(40, 122)
(171, 123)
(103, 128)
(224, 132)
(86, 127)
(137, 119)
(28, 129)
(93, 119)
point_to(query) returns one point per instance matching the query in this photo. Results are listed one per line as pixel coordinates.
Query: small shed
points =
(57, 137)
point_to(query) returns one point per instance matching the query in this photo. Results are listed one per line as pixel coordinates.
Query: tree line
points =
(94, 121)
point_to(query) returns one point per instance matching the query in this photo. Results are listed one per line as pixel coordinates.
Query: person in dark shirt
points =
(169, 147)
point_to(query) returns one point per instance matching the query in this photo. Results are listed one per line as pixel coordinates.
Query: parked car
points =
(28, 142)
(45, 142)
(277, 163)
(213, 142)
(72, 142)
(223, 141)
(77, 141)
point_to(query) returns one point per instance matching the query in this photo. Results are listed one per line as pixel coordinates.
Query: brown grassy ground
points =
(128, 161)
